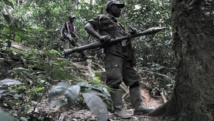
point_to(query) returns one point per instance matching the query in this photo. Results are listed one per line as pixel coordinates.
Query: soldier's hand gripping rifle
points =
(97, 44)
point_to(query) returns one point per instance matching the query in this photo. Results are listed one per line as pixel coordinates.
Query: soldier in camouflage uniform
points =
(119, 60)
(67, 33)
(69, 37)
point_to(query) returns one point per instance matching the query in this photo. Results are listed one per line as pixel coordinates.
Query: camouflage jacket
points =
(108, 25)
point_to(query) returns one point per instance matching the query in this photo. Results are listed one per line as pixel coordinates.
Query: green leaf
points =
(7, 18)
(2, 26)
(5, 116)
(3, 92)
(96, 106)
(86, 85)
(9, 82)
(38, 89)
(72, 93)
(55, 103)
(100, 94)
(20, 32)
(7, 2)
(57, 90)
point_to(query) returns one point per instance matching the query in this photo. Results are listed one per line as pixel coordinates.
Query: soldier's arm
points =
(73, 34)
(91, 30)
(62, 30)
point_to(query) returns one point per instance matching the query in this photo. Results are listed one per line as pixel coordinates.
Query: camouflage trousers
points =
(67, 43)
(119, 70)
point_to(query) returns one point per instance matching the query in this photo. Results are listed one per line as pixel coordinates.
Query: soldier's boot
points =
(119, 108)
(137, 102)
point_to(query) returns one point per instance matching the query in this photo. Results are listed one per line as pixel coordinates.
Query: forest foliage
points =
(31, 49)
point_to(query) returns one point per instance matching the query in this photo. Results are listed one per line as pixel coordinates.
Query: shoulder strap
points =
(119, 24)
(100, 17)
(66, 23)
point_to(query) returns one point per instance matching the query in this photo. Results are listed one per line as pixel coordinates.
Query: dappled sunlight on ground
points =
(151, 101)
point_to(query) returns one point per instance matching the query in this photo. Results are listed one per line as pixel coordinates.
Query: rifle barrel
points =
(112, 41)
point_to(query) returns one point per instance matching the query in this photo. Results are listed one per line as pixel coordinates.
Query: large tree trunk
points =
(193, 35)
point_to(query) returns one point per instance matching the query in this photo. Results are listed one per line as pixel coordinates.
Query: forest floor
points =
(43, 111)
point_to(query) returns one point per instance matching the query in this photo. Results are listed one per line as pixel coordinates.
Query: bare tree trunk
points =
(193, 35)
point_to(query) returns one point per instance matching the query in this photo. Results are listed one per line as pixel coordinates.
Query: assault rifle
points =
(69, 34)
(97, 44)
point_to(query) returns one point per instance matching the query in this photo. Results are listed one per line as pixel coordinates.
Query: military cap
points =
(72, 16)
(114, 2)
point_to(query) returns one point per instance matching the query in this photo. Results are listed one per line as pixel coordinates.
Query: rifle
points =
(69, 34)
(97, 44)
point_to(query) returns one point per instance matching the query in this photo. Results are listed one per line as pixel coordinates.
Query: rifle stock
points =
(97, 44)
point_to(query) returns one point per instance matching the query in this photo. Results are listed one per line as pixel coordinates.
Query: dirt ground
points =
(43, 112)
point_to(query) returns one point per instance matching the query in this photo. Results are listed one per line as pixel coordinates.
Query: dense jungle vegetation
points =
(32, 60)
